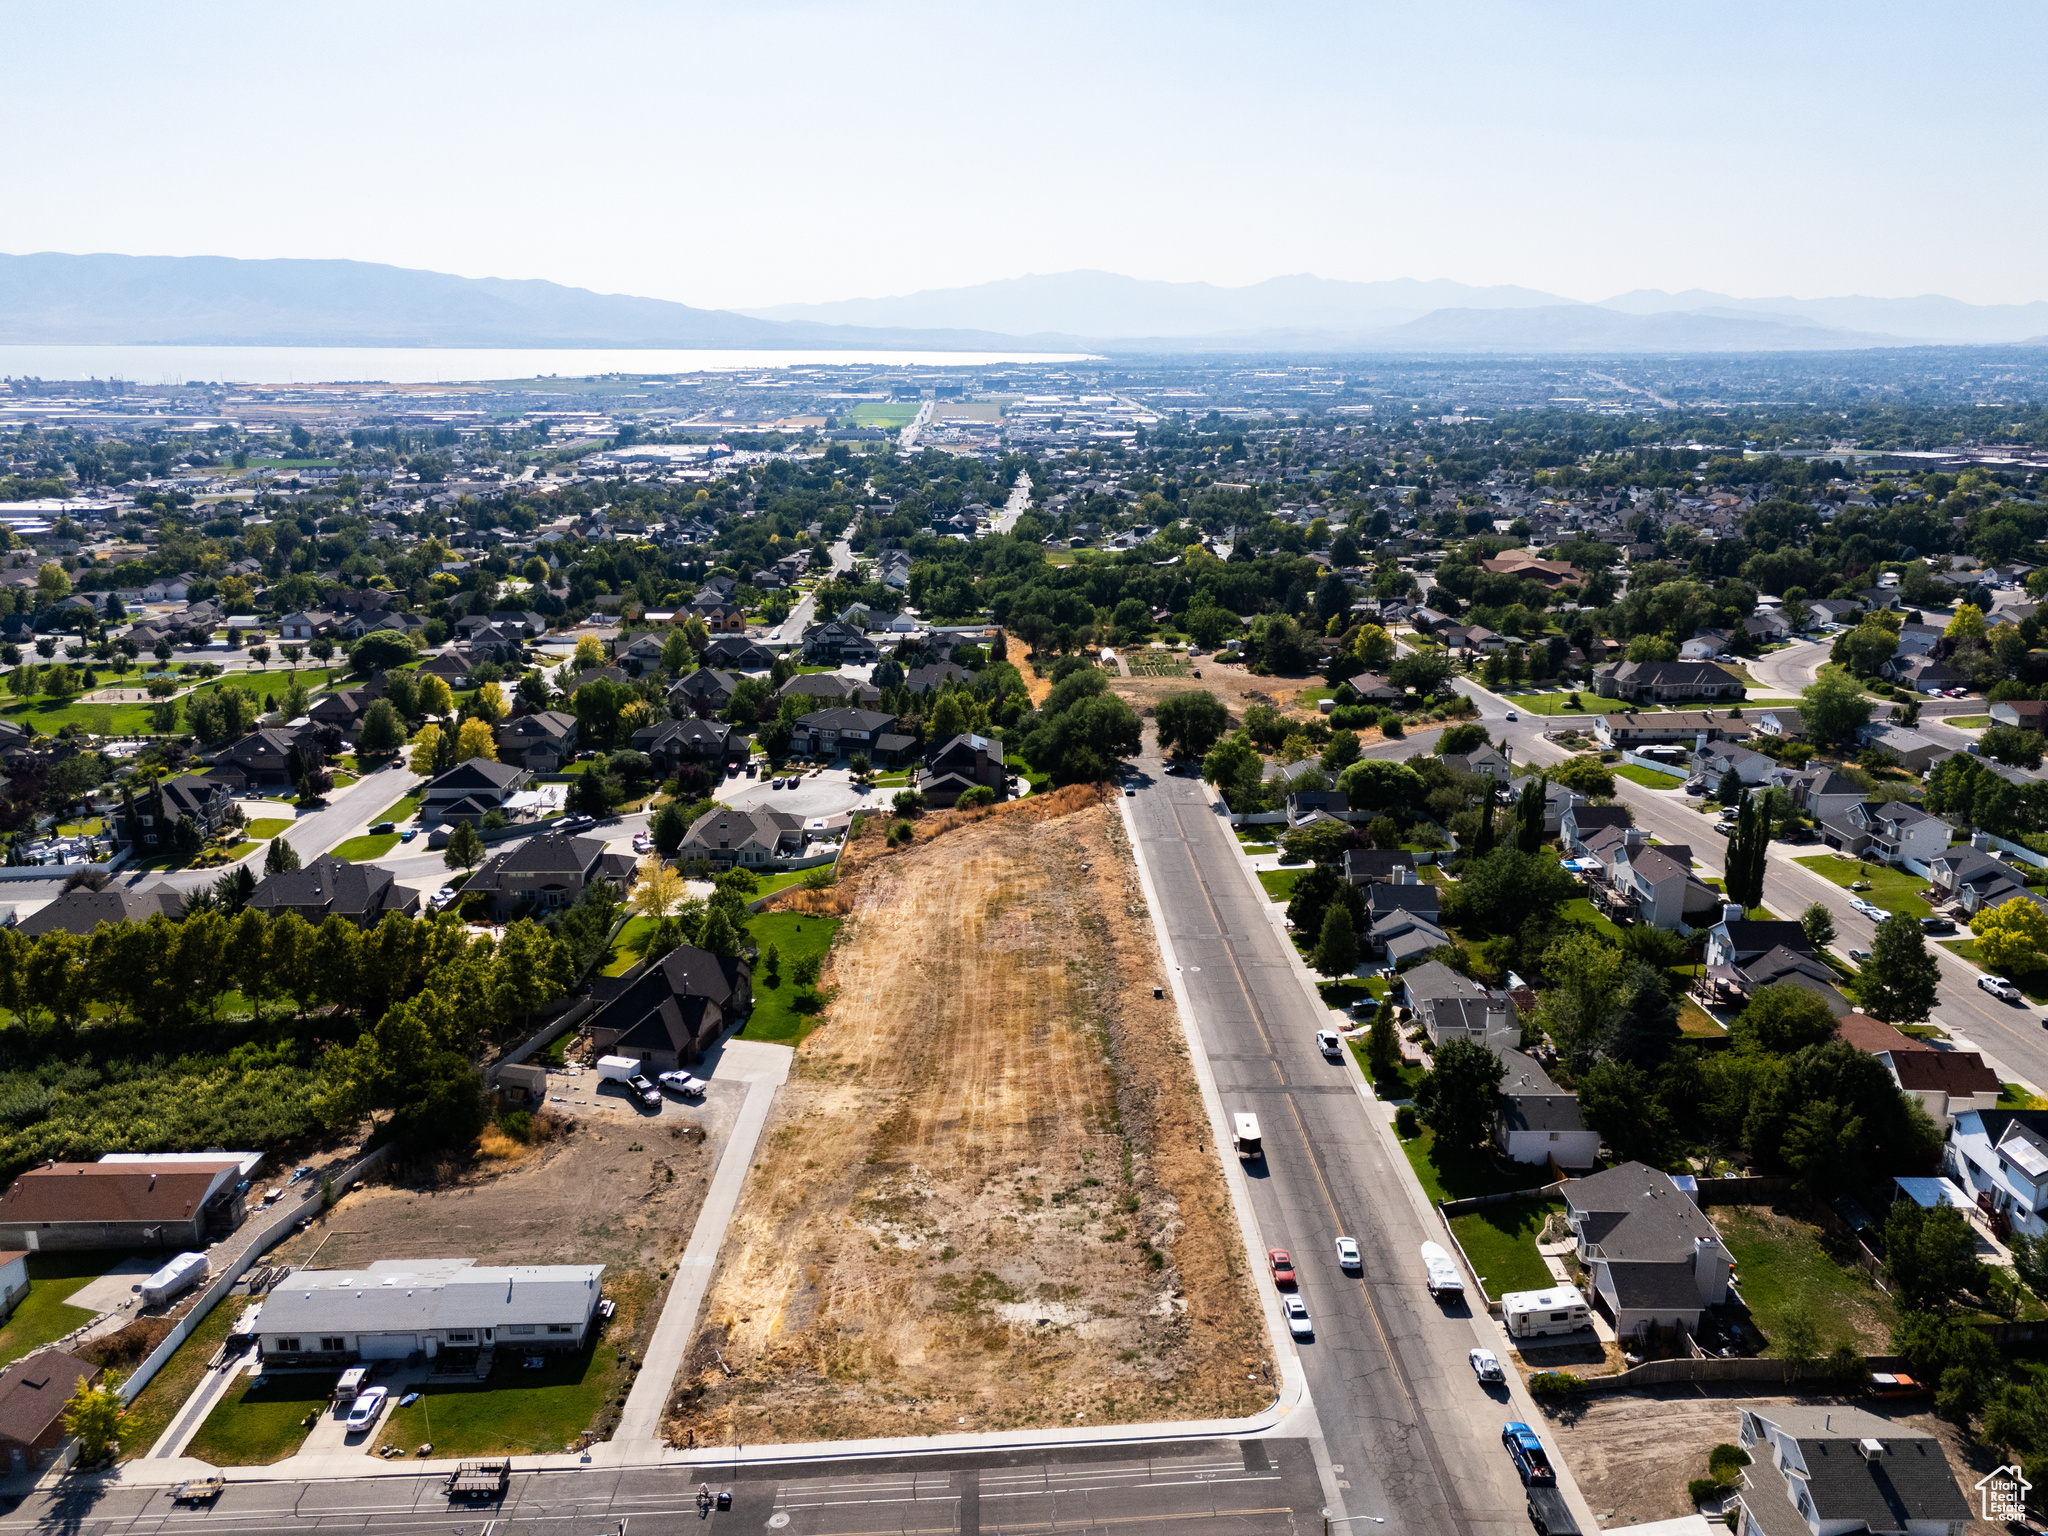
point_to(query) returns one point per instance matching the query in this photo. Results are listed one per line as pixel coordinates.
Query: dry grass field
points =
(988, 1196)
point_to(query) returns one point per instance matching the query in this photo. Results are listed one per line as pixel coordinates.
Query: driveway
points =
(823, 794)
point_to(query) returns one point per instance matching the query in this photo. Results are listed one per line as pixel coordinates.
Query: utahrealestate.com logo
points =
(2005, 1494)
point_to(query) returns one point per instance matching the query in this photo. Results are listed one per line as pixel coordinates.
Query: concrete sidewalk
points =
(764, 1068)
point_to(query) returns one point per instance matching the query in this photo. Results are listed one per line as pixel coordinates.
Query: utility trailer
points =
(1440, 1273)
(198, 1490)
(1549, 1513)
(480, 1479)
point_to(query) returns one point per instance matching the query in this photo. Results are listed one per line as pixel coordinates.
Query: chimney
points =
(1407, 877)
(1981, 841)
(1731, 911)
(1872, 1449)
(1632, 838)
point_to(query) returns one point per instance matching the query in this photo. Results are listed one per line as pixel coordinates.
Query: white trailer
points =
(1440, 1272)
(185, 1270)
(1535, 1314)
(1245, 1136)
(617, 1069)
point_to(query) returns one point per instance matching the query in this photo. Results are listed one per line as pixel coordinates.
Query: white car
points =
(1513, 716)
(2000, 988)
(1328, 1043)
(1348, 1256)
(443, 896)
(682, 1082)
(1130, 793)
(363, 1411)
(1869, 909)
(1486, 1365)
(1296, 1311)
(642, 843)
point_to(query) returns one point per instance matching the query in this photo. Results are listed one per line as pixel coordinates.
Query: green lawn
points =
(268, 827)
(360, 850)
(2013, 1096)
(91, 827)
(405, 810)
(1500, 1240)
(1039, 782)
(44, 1313)
(262, 1422)
(1649, 778)
(1779, 1259)
(1892, 889)
(1559, 703)
(1583, 911)
(783, 1012)
(626, 947)
(2033, 983)
(768, 885)
(1279, 883)
(515, 1412)
(158, 1403)
(1461, 1174)
(50, 715)
(242, 850)
(1966, 722)
(1696, 1021)
(885, 413)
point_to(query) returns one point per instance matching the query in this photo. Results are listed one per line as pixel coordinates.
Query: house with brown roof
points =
(33, 1394)
(1946, 1083)
(175, 1203)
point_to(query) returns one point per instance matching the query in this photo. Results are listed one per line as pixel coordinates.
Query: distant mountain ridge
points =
(58, 299)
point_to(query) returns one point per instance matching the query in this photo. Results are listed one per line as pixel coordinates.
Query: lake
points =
(445, 365)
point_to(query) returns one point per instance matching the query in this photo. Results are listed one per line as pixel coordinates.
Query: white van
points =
(353, 1380)
(1536, 1314)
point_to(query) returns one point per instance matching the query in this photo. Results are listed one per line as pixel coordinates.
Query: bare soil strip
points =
(988, 1197)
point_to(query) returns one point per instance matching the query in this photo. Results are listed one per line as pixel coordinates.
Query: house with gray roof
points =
(471, 790)
(84, 909)
(1656, 886)
(1657, 681)
(1454, 1007)
(542, 742)
(329, 887)
(758, 840)
(1486, 760)
(397, 1307)
(1652, 1254)
(1837, 1471)
(546, 874)
(1888, 832)
(1539, 1122)
(1916, 753)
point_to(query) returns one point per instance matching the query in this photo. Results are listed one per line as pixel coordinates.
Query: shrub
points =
(1407, 1125)
(1701, 1490)
(1554, 1384)
(516, 1123)
(1725, 1460)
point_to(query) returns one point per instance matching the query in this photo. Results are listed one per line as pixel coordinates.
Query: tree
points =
(669, 829)
(1834, 705)
(1193, 722)
(2012, 936)
(1337, 947)
(1959, 1358)
(1457, 1099)
(1577, 1008)
(1457, 740)
(1586, 775)
(659, 891)
(1782, 1019)
(2012, 746)
(379, 651)
(718, 935)
(426, 751)
(1084, 741)
(1967, 624)
(1507, 888)
(465, 848)
(1616, 1099)
(1383, 1046)
(530, 969)
(1374, 784)
(1900, 980)
(1729, 790)
(1930, 1256)
(475, 738)
(383, 731)
(434, 696)
(1234, 766)
(489, 704)
(1743, 874)
(1819, 924)
(93, 1412)
(1425, 671)
(1320, 842)
(1529, 815)
(280, 857)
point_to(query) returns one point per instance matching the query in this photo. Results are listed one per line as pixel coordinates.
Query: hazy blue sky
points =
(760, 153)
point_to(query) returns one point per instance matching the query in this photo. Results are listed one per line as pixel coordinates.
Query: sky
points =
(776, 152)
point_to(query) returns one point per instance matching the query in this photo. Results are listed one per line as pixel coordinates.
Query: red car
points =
(1283, 1266)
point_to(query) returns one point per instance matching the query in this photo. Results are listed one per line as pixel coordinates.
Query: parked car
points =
(408, 834)
(1527, 1453)
(1859, 956)
(1130, 793)
(642, 843)
(1486, 1365)
(2000, 988)
(1869, 909)
(1513, 716)
(1296, 1311)
(444, 896)
(1283, 1266)
(1328, 1043)
(1937, 925)
(683, 1083)
(1348, 1256)
(362, 1413)
(643, 1090)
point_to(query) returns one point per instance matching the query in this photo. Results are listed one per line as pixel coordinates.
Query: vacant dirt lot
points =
(988, 1195)
(1633, 1452)
(598, 1192)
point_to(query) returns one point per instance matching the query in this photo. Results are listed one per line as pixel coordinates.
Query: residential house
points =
(1766, 626)
(1945, 1083)
(396, 1308)
(471, 790)
(642, 654)
(84, 909)
(1539, 1122)
(1836, 1471)
(1999, 1157)
(1918, 640)
(1784, 723)
(14, 1284)
(1973, 878)
(822, 689)
(1629, 732)
(169, 589)
(1369, 866)
(1403, 920)
(704, 692)
(668, 1014)
(1578, 825)
(736, 653)
(329, 887)
(453, 665)
(1655, 886)
(275, 755)
(1822, 792)
(710, 743)
(170, 1202)
(189, 796)
(35, 1393)
(541, 742)
(305, 626)
(1557, 799)
(2026, 714)
(1374, 689)
(966, 762)
(1716, 759)
(1524, 565)
(547, 874)
(1889, 831)
(1486, 760)
(757, 840)
(1743, 956)
(841, 731)
(1836, 611)
(839, 643)
(1454, 1007)
(1658, 681)
(1305, 805)
(930, 677)
(1705, 645)
(1916, 753)
(1923, 674)
(1652, 1255)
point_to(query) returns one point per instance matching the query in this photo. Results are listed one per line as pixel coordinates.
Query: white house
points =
(398, 1306)
(2002, 1154)
(1653, 1256)
(1539, 1122)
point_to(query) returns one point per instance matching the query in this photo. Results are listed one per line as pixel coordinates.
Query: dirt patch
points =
(988, 1195)
(593, 1193)
(1632, 1453)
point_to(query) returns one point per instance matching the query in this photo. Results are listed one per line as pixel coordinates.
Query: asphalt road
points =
(1200, 1488)
(1409, 1432)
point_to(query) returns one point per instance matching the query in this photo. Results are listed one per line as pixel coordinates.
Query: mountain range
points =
(53, 298)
